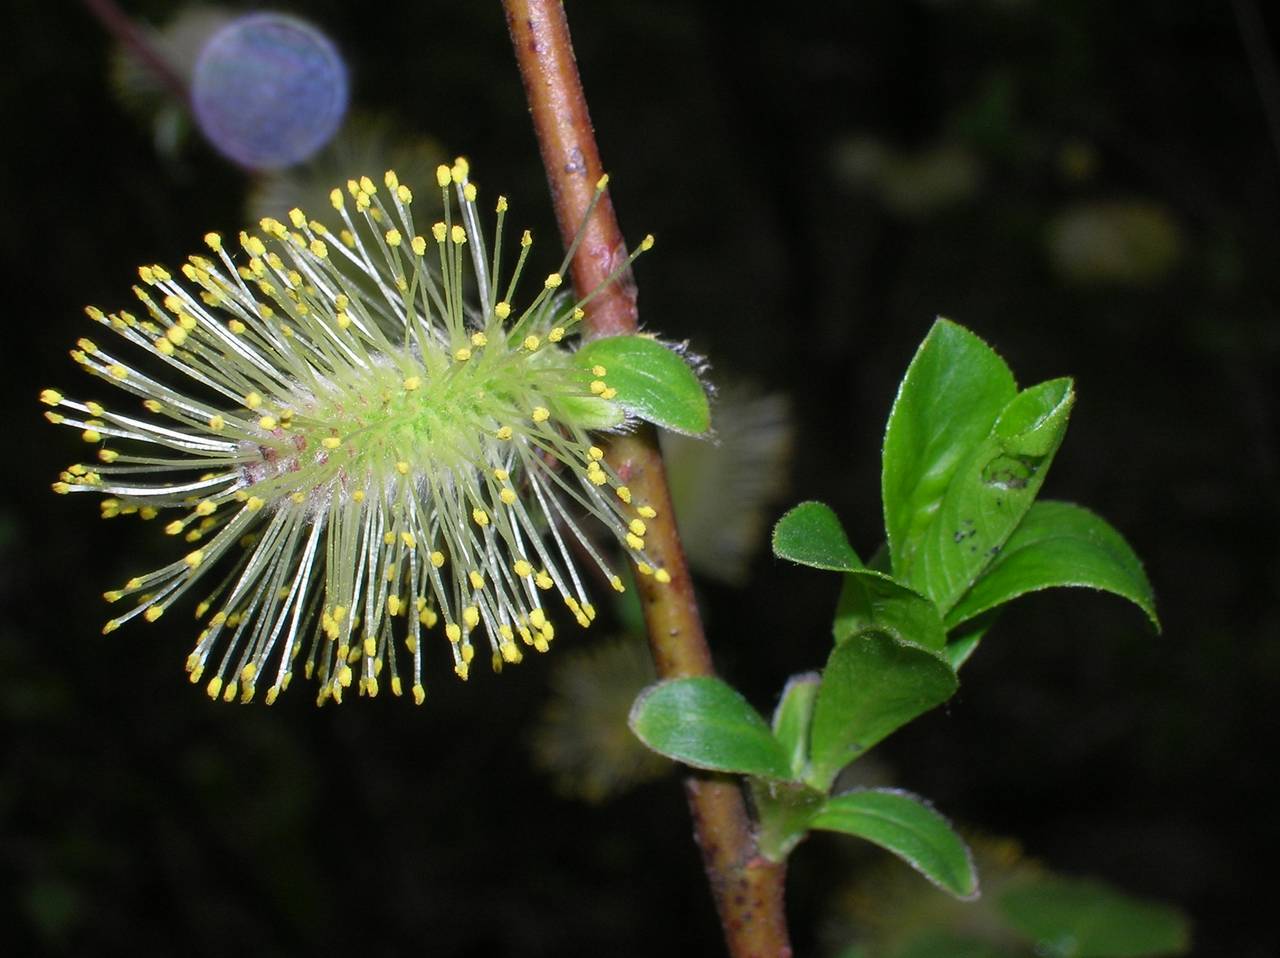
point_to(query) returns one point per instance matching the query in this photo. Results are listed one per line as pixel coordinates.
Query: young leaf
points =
(652, 381)
(949, 399)
(1059, 544)
(907, 826)
(872, 600)
(1073, 918)
(792, 717)
(706, 723)
(990, 494)
(871, 686)
(811, 534)
(963, 642)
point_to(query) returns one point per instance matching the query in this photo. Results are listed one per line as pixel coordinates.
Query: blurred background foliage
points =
(1087, 184)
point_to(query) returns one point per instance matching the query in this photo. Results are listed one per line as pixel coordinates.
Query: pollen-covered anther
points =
(540, 414)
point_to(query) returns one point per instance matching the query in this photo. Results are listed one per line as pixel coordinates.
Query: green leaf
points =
(963, 642)
(653, 381)
(1073, 918)
(951, 395)
(792, 717)
(989, 494)
(706, 723)
(871, 601)
(907, 826)
(811, 534)
(1059, 544)
(871, 686)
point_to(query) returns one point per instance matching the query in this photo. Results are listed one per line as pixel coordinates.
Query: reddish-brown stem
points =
(118, 24)
(747, 889)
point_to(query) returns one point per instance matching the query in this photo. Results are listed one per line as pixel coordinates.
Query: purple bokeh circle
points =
(269, 90)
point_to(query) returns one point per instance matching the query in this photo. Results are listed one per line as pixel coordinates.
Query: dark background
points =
(136, 815)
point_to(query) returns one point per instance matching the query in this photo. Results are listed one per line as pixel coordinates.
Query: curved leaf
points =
(950, 397)
(706, 723)
(990, 494)
(1074, 918)
(811, 534)
(873, 601)
(1059, 544)
(652, 380)
(909, 827)
(871, 686)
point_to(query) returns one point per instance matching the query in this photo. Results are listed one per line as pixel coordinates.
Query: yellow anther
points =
(663, 576)
(255, 503)
(331, 442)
(409, 540)
(471, 616)
(419, 245)
(437, 559)
(438, 230)
(442, 175)
(319, 249)
(502, 310)
(508, 497)
(624, 494)
(501, 475)
(522, 568)
(647, 242)
(637, 527)
(531, 343)
(54, 417)
(602, 182)
(108, 455)
(537, 618)
(502, 205)
(556, 334)
(404, 194)
(153, 613)
(480, 516)
(462, 354)
(389, 538)
(268, 422)
(540, 414)
(147, 275)
(553, 281)
(174, 527)
(391, 179)
(609, 393)
(526, 239)
(543, 581)
(252, 401)
(393, 607)
(412, 383)
(214, 686)
(236, 327)
(453, 632)
(62, 488)
(578, 313)
(357, 496)
(393, 237)
(598, 370)
(469, 193)
(461, 169)
(644, 568)
(50, 397)
(635, 542)
(335, 198)
(647, 512)
(213, 241)
(153, 405)
(402, 467)
(479, 339)
(598, 386)
(255, 247)
(193, 559)
(504, 433)
(476, 579)
(91, 435)
(457, 235)
(367, 185)
(118, 372)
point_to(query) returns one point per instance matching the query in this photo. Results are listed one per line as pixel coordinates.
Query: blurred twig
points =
(118, 24)
(747, 889)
